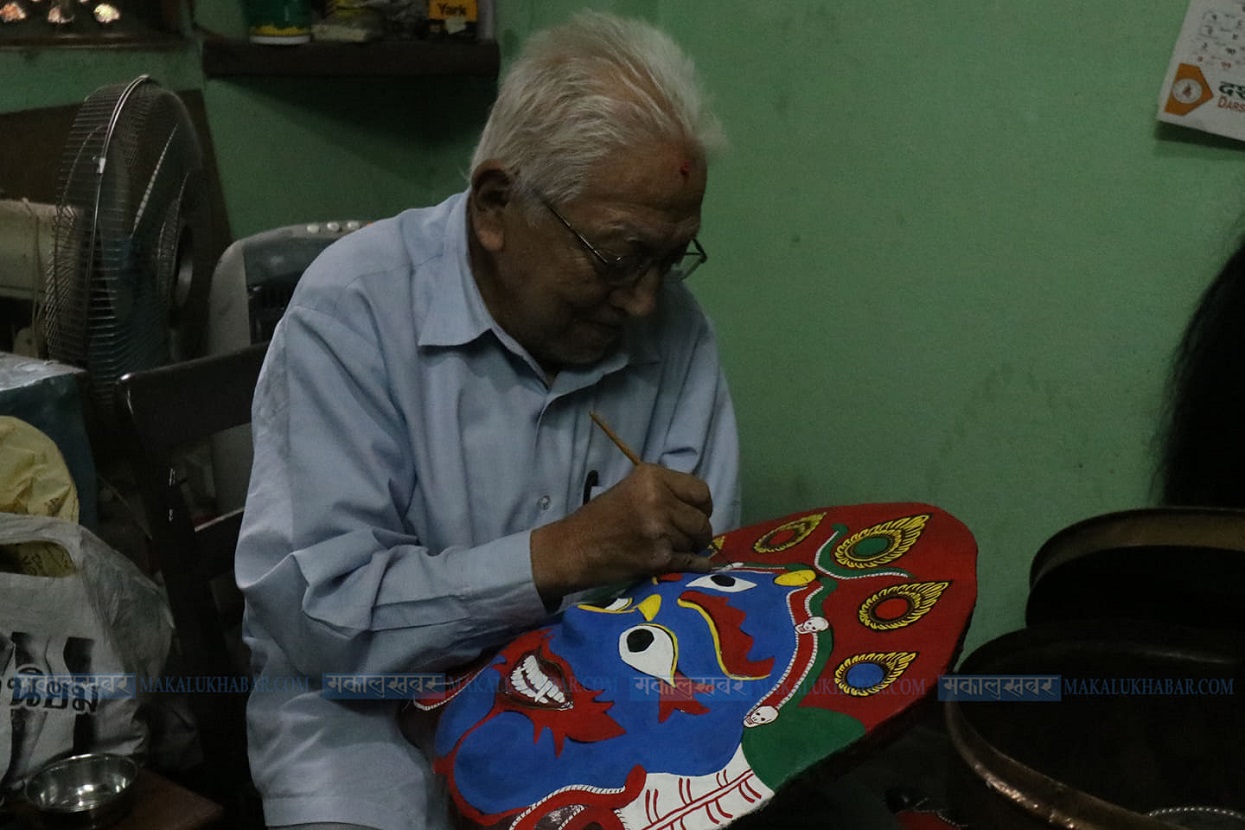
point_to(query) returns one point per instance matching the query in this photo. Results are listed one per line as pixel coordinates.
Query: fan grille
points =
(131, 204)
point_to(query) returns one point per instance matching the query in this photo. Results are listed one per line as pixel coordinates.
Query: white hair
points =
(586, 89)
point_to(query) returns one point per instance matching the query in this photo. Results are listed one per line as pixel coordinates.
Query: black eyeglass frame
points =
(627, 270)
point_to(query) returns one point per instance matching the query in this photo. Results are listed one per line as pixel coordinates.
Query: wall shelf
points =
(223, 57)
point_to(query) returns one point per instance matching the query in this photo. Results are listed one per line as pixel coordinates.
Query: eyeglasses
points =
(622, 271)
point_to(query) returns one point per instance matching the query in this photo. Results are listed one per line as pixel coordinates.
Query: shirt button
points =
(544, 502)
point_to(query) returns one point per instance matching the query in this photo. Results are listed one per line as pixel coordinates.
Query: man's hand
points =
(654, 521)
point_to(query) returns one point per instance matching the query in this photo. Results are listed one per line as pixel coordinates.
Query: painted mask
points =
(691, 698)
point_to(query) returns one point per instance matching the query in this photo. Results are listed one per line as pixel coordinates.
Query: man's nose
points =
(638, 299)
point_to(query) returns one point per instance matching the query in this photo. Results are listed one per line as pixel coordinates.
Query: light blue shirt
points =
(405, 447)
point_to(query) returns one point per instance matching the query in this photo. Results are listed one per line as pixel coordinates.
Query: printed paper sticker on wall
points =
(1205, 83)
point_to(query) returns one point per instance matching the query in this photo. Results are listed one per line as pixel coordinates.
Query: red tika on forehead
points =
(685, 168)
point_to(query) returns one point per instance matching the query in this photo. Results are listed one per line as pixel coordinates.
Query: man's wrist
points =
(549, 565)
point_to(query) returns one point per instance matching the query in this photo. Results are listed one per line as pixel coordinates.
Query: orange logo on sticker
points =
(1189, 90)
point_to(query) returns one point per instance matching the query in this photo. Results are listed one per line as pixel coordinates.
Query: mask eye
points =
(650, 649)
(616, 606)
(725, 583)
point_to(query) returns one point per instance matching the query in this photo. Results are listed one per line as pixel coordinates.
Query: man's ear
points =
(492, 189)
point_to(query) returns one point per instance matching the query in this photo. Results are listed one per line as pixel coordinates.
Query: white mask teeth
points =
(529, 681)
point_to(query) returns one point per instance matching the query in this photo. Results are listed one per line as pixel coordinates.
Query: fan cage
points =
(123, 265)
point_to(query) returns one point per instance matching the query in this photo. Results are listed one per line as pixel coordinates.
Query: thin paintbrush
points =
(618, 442)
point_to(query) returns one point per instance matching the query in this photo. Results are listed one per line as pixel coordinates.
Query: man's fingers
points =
(655, 520)
(693, 530)
(690, 562)
(690, 490)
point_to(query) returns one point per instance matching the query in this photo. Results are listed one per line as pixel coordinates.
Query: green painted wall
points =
(332, 148)
(951, 248)
(33, 78)
(296, 149)
(951, 252)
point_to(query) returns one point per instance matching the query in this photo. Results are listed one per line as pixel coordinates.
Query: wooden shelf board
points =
(379, 58)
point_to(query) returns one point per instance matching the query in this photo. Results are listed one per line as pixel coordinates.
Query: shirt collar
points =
(455, 314)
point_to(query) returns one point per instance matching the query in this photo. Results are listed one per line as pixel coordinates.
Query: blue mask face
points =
(661, 678)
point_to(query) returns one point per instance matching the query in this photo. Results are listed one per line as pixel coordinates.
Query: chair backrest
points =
(164, 413)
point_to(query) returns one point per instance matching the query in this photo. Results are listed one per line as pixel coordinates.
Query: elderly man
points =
(427, 478)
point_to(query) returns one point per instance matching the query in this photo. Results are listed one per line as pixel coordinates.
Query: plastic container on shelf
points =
(279, 22)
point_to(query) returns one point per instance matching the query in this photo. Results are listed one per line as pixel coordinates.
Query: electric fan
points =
(127, 287)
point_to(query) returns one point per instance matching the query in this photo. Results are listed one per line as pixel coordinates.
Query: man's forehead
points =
(622, 221)
(675, 166)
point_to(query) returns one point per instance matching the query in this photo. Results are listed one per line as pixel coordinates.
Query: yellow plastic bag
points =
(34, 481)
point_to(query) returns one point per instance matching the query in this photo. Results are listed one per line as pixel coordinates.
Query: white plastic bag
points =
(74, 647)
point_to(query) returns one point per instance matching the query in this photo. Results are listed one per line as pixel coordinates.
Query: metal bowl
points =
(1201, 818)
(84, 791)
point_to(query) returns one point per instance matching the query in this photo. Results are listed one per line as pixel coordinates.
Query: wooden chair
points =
(164, 412)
